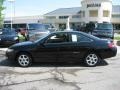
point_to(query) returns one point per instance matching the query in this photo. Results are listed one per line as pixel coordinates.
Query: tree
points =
(90, 27)
(1, 15)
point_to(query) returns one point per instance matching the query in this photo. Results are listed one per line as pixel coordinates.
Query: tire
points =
(91, 59)
(24, 60)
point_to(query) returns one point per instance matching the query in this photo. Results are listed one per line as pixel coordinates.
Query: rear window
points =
(103, 26)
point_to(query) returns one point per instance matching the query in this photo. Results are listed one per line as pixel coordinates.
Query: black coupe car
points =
(66, 46)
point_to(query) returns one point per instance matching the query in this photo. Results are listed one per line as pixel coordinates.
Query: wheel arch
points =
(19, 52)
(93, 51)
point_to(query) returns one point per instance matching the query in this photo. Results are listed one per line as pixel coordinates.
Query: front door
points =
(49, 51)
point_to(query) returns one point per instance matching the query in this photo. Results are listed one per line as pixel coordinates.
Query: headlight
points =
(15, 38)
(10, 50)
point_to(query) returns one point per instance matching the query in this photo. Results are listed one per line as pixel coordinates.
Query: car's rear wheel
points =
(24, 60)
(91, 59)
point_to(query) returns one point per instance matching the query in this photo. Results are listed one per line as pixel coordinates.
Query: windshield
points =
(36, 27)
(103, 26)
(37, 37)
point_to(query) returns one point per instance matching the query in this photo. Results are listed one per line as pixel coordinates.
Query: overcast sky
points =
(40, 7)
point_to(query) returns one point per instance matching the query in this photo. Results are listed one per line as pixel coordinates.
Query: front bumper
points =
(10, 54)
(108, 53)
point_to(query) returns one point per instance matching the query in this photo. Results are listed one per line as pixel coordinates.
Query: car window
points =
(103, 26)
(79, 38)
(58, 38)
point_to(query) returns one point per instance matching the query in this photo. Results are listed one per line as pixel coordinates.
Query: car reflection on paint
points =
(64, 46)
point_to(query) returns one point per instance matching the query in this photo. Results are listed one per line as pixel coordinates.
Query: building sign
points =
(93, 5)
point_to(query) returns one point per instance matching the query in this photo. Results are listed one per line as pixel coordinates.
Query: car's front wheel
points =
(24, 60)
(91, 59)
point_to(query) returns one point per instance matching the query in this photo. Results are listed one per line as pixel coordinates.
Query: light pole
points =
(12, 8)
(68, 24)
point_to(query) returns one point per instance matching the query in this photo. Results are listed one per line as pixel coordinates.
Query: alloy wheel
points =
(91, 59)
(24, 60)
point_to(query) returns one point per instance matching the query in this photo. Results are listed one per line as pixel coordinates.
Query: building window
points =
(93, 13)
(51, 17)
(63, 17)
(106, 13)
(116, 16)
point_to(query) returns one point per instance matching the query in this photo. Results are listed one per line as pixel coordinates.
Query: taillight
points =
(111, 45)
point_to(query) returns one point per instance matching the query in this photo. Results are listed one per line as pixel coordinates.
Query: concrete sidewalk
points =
(3, 49)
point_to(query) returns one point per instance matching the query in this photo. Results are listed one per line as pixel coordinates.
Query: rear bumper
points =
(108, 53)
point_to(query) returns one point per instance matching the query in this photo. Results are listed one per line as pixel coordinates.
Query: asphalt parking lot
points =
(47, 76)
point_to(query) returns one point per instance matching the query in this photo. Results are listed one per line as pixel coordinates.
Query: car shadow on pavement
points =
(8, 63)
(103, 63)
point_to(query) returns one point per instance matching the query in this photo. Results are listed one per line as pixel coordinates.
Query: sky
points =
(40, 7)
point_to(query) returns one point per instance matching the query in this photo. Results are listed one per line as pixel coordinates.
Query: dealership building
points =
(97, 11)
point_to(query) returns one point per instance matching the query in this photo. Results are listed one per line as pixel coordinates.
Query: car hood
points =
(22, 45)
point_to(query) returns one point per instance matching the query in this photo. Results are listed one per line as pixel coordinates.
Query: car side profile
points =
(64, 46)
